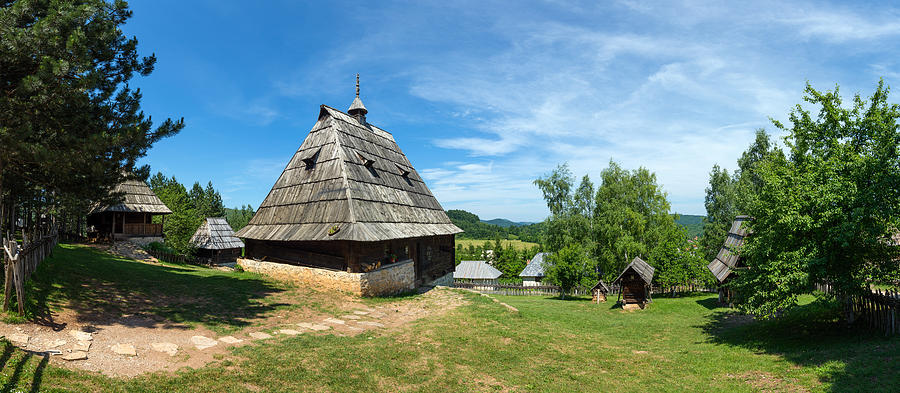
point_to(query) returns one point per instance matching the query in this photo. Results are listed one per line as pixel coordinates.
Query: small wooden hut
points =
(724, 265)
(599, 292)
(215, 241)
(133, 217)
(349, 200)
(533, 274)
(635, 283)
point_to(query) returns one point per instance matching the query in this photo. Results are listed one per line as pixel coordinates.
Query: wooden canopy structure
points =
(727, 261)
(635, 283)
(133, 216)
(350, 200)
(215, 241)
(599, 292)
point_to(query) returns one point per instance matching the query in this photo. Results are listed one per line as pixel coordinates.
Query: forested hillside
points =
(476, 229)
(693, 224)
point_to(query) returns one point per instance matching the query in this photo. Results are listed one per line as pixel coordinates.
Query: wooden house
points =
(635, 283)
(533, 273)
(727, 261)
(476, 272)
(215, 241)
(349, 200)
(133, 217)
(599, 292)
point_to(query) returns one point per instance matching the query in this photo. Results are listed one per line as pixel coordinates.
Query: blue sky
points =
(484, 97)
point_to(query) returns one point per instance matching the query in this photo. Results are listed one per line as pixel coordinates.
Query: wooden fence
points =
(22, 260)
(178, 258)
(552, 290)
(877, 309)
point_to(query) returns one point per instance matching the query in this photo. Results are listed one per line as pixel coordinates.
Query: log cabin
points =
(350, 201)
(215, 241)
(132, 218)
(635, 283)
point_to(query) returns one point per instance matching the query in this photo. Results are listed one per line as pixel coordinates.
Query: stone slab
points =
(289, 332)
(19, 338)
(351, 317)
(77, 355)
(334, 321)
(372, 324)
(81, 336)
(203, 342)
(230, 340)
(56, 343)
(167, 348)
(124, 349)
(82, 346)
(260, 335)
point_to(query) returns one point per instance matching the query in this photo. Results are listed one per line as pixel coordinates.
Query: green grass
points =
(551, 345)
(517, 244)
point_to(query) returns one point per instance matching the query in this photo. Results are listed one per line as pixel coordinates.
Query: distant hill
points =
(693, 224)
(507, 223)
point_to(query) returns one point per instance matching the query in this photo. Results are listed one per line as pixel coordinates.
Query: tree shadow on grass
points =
(104, 289)
(711, 303)
(813, 336)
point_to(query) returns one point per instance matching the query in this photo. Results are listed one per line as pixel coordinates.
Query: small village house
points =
(349, 212)
(132, 219)
(635, 283)
(533, 274)
(727, 261)
(215, 241)
(599, 292)
(476, 272)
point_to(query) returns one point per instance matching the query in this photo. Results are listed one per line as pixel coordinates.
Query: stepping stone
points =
(358, 312)
(351, 317)
(19, 338)
(305, 325)
(355, 329)
(81, 336)
(378, 315)
(230, 340)
(56, 343)
(202, 342)
(124, 349)
(334, 321)
(320, 327)
(77, 355)
(289, 332)
(83, 346)
(260, 335)
(168, 348)
(373, 324)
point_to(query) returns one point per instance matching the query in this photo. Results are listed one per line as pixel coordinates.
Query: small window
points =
(404, 173)
(310, 162)
(368, 163)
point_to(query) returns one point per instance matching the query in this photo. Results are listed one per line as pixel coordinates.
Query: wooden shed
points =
(533, 273)
(599, 292)
(216, 242)
(350, 200)
(476, 272)
(728, 261)
(635, 283)
(133, 217)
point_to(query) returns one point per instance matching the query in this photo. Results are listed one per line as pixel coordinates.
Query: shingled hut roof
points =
(348, 181)
(215, 234)
(137, 198)
(535, 268)
(644, 270)
(476, 270)
(727, 259)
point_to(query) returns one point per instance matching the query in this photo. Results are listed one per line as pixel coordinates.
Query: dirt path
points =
(135, 344)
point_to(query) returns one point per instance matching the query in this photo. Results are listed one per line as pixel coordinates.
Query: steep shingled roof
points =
(536, 267)
(727, 259)
(644, 270)
(215, 234)
(348, 181)
(476, 270)
(138, 198)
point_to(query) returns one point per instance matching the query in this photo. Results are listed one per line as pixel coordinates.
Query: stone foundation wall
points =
(443, 281)
(391, 279)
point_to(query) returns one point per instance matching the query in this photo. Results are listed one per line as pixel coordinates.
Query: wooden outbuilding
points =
(216, 242)
(349, 200)
(476, 272)
(599, 292)
(635, 283)
(133, 217)
(533, 273)
(728, 260)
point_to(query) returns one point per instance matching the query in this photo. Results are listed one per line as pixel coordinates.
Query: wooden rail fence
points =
(552, 290)
(21, 261)
(877, 309)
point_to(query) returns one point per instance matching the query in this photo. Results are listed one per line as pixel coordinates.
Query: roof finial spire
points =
(357, 109)
(357, 85)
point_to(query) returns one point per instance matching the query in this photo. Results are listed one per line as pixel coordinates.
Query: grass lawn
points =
(551, 345)
(518, 244)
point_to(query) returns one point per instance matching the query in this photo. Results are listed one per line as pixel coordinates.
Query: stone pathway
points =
(201, 342)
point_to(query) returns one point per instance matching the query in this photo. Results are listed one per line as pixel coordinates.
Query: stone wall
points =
(391, 279)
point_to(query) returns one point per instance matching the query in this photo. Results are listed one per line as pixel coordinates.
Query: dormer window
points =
(310, 161)
(368, 163)
(404, 173)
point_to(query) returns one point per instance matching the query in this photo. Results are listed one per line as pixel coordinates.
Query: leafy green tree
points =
(239, 218)
(70, 124)
(826, 212)
(721, 209)
(676, 261)
(569, 268)
(184, 220)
